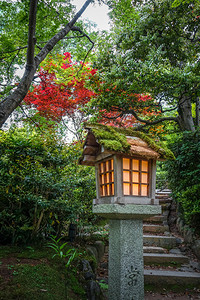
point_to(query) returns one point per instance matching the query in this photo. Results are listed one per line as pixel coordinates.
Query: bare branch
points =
(75, 28)
(73, 37)
(37, 125)
(68, 128)
(8, 69)
(17, 49)
(147, 122)
(168, 110)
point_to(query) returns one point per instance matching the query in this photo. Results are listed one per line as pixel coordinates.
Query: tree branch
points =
(147, 122)
(8, 69)
(37, 125)
(60, 35)
(17, 49)
(73, 37)
(75, 28)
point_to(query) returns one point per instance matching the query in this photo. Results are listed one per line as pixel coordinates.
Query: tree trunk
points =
(10, 103)
(185, 118)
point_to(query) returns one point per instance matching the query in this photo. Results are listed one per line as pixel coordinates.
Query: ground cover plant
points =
(33, 273)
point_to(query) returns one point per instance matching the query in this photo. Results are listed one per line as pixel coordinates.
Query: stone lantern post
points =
(125, 163)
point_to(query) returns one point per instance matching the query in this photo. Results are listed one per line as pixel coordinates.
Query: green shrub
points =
(184, 176)
(190, 203)
(41, 186)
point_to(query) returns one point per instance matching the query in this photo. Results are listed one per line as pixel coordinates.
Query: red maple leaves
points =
(61, 90)
(65, 89)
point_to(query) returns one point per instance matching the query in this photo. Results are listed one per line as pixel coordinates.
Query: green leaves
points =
(69, 254)
(184, 174)
(153, 49)
(41, 185)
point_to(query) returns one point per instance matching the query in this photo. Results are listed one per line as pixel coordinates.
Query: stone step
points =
(151, 249)
(155, 228)
(165, 206)
(165, 213)
(167, 242)
(165, 191)
(164, 200)
(164, 278)
(163, 258)
(156, 219)
(164, 195)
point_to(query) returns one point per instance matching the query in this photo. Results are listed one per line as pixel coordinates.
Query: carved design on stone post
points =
(132, 276)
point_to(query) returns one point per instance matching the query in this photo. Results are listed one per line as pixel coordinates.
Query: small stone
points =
(186, 268)
(99, 245)
(175, 251)
(188, 236)
(196, 248)
(87, 270)
(104, 265)
(195, 265)
(106, 226)
(167, 233)
(92, 251)
(179, 241)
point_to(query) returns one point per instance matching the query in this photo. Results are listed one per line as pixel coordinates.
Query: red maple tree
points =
(62, 88)
(65, 89)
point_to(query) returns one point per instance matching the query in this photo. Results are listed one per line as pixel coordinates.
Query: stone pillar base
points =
(126, 275)
(126, 270)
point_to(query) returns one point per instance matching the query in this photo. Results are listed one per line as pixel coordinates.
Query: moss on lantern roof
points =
(114, 139)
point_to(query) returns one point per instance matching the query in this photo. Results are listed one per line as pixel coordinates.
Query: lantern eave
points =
(128, 211)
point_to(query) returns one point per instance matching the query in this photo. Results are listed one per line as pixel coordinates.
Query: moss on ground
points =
(31, 273)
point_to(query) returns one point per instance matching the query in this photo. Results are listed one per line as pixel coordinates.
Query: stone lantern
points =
(125, 163)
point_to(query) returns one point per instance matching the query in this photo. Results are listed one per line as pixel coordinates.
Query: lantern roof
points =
(105, 140)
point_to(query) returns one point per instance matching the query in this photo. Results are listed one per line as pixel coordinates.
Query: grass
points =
(31, 273)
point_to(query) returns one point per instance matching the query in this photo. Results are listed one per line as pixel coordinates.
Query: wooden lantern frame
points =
(110, 190)
(106, 148)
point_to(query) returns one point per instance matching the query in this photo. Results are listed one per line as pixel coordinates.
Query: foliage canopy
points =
(155, 47)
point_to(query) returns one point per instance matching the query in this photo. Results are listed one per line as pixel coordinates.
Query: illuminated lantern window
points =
(106, 173)
(135, 177)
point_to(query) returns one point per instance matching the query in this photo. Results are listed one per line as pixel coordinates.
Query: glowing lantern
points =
(124, 176)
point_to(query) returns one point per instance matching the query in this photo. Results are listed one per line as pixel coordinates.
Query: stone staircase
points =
(165, 262)
(168, 265)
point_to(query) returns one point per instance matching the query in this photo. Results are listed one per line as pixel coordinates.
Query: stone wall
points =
(189, 237)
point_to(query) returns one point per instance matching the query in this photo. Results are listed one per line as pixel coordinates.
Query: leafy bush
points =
(41, 186)
(190, 202)
(161, 176)
(184, 174)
